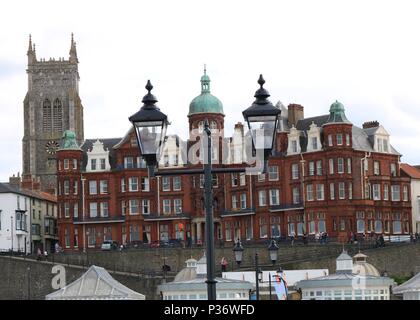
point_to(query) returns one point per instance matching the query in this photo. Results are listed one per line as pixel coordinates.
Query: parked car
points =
(109, 245)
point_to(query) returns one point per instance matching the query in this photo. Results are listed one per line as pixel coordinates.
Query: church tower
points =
(52, 105)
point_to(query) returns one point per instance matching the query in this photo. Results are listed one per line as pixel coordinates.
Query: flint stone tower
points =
(52, 105)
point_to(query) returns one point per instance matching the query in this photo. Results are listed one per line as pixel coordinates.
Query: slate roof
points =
(361, 137)
(6, 187)
(411, 285)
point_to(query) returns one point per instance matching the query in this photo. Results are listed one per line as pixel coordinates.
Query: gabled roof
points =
(412, 284)
(95, 284)
(410, 171)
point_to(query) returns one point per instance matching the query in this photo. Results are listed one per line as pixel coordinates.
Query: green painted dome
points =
(337, 114)
(205, 102)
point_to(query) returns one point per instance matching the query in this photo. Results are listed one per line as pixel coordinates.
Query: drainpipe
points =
(362, 172)
(302, 179)
(83, 211)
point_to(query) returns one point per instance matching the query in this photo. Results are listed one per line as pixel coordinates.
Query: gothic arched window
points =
(57, 116)
(46, 115)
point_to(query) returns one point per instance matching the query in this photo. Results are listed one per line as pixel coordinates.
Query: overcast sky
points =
(366, 54)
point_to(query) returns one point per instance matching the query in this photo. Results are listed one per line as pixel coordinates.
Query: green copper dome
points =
(337, 114)
(205, 102)
(69, 141)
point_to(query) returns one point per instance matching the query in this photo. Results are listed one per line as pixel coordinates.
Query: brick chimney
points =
(15, 181)
(370, 124)
(294, 113)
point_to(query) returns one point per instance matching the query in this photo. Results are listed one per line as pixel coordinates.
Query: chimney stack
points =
(295, 113)
(370, 124)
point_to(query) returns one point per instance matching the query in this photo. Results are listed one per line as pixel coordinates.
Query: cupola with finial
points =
(205, 102)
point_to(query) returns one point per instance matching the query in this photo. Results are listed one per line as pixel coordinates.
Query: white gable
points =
(98, 158)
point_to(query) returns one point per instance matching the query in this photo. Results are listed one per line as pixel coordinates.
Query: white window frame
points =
(274, 197)
(93, 183)
(331, 166)
(341, 190)
(320, 195)
(133, 184)
(309, 192)
(166, 206)
(262, 198)
(273, 173)
(145, 184)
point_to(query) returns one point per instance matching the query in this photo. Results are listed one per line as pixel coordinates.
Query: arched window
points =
(200, 126)
(46, 116)
(213, 125)
(57, 116)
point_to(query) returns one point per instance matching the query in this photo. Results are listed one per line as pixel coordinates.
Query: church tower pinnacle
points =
(31, 52)
(73, 51)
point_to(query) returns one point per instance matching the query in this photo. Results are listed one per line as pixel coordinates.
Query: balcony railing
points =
(88, 219)
(286, 207)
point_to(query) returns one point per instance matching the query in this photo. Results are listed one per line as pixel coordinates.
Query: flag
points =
(280, 286)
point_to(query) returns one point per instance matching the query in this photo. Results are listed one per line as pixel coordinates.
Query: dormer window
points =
(294, 146)
(293, 141)
(314, 138)
(98, 158)
(314, 143)
(102, 160)
(93, 164)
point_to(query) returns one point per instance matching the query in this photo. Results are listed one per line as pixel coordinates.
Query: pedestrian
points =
(305, 239)
(38, 254)
(45, 254)
(224, 264)
(381, 241)
(292, 238)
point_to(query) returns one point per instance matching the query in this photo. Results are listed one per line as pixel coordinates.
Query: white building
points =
(353, 280)
(410, 290)
(190, 284)
(15, 221)
(414, 175)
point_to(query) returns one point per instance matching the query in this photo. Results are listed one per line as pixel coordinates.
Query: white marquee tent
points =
(95, 284)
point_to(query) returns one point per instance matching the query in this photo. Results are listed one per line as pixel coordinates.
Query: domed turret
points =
(205, 102)
(337, 114)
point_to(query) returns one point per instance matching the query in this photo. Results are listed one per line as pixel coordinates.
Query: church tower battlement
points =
(52, 105)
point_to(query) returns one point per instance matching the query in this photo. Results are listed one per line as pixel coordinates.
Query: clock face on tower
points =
(51, 147)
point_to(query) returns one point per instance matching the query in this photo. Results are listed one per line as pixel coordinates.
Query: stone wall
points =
(21, 279)
(144, 265)
(136, 260)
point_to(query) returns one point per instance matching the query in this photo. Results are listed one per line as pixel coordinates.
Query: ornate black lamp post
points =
(273, 249)
(262, 119)
(238, 250)
(150, 126)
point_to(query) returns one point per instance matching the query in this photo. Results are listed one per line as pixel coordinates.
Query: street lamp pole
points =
(257, 287)
(150, 126)
(208, 185)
